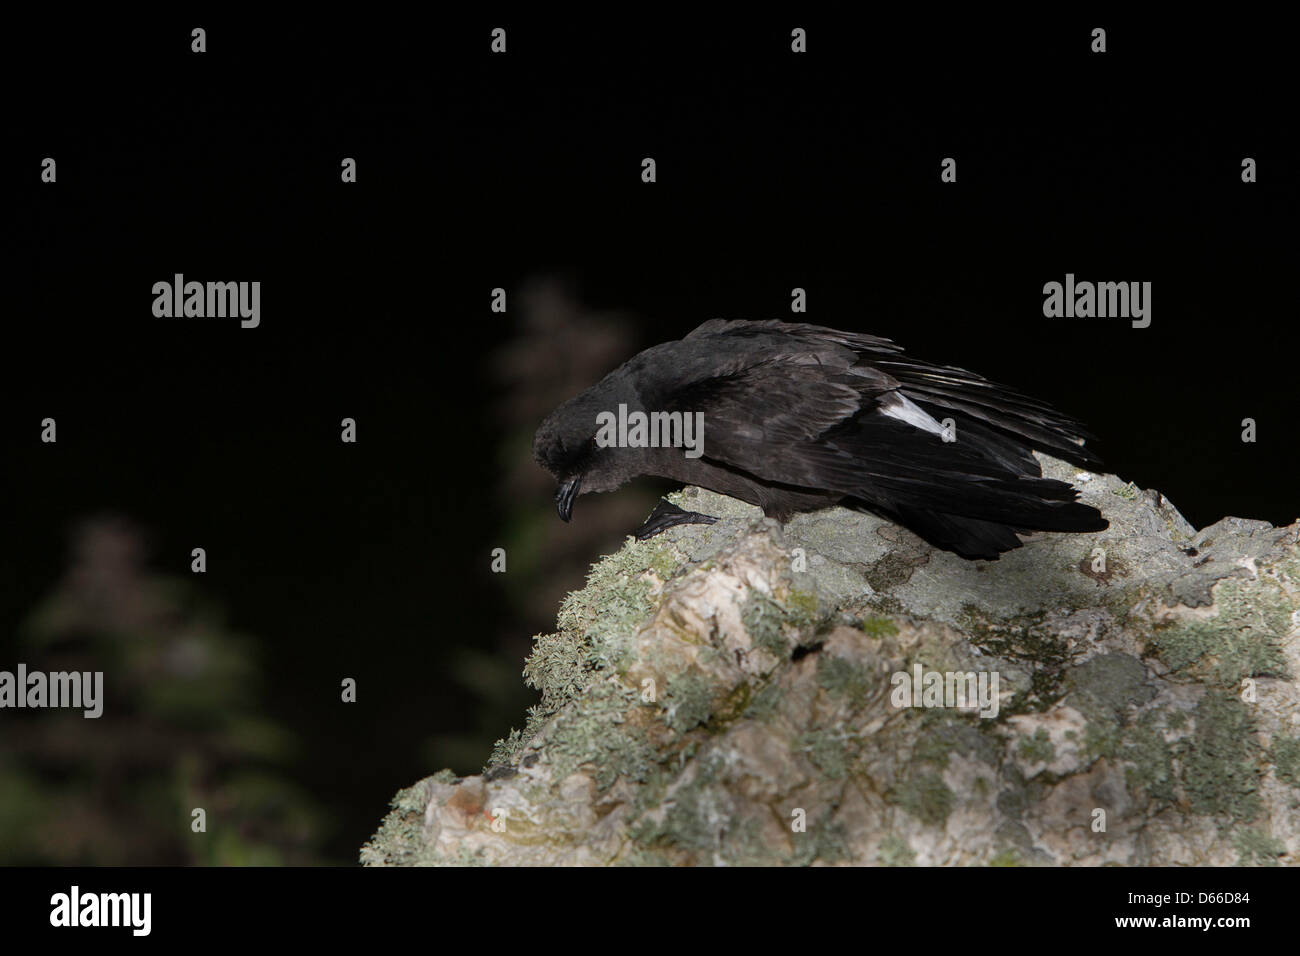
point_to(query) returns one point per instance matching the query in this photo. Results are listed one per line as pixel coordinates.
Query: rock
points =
(742, 693)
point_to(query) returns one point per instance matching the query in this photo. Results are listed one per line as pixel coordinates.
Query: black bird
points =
(798, 417)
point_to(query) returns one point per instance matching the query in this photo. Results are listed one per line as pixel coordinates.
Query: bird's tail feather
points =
(1040, 504)
(968, 537)
(973, 537)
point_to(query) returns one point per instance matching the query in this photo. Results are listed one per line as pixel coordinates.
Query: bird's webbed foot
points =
(667, 515)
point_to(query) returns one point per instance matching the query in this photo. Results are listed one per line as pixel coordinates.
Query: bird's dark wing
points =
(813, 336)
(1007, 422)
(764, 400)
(823, 419)
(941, 390)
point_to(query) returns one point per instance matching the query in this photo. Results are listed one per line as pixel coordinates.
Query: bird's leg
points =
(667, 515)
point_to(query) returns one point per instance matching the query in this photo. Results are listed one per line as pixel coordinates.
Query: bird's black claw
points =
(667, 515)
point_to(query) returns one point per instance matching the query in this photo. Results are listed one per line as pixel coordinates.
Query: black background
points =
(475, 171)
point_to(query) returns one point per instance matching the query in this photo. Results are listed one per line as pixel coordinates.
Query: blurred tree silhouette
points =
(181, 728)
(558, 348)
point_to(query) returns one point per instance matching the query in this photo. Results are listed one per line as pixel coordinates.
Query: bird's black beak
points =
(565, 495)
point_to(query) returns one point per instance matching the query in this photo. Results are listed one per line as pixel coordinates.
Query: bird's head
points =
(566, 446)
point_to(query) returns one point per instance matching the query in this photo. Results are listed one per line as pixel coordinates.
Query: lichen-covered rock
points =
(837, 691)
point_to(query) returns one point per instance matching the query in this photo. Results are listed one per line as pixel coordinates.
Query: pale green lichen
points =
(1243, 638)
(400, 838)
(1101, 738)
(828, 749)
(932, 748)
(1038, 748)
(824, 841)
(1149, 760)
(844, 678)
(1257, 849)
(686, 823)
(765, 703)
(507, 749)
(894, 851)
(878, 627)
(664, 562)
(558, 667)
(617, 599)
(595, 733)
(596, 627)
(764, 620)
(1285, 754)
(692, 816)
(925, 796)
(802, 609)
(1220, 773)
(688, 701)
(944, 733)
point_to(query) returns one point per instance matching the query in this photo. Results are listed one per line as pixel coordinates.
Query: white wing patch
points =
(905, 410)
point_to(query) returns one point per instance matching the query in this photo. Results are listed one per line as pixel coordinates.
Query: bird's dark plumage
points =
(798, 417)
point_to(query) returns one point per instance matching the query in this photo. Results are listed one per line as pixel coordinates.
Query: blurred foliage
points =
(182, 728)
(557, 348)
